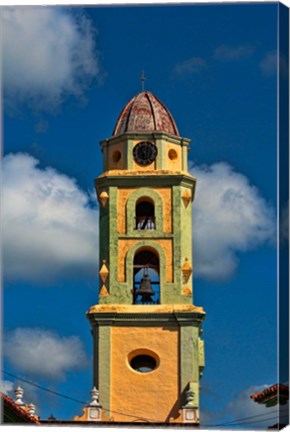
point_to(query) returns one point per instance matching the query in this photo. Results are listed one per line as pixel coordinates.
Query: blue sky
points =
(67, 74)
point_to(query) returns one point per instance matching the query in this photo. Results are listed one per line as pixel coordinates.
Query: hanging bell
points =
(145, 290)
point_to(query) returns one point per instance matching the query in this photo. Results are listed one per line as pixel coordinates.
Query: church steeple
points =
(145, 321)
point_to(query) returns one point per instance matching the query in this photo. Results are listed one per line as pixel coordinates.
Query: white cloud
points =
(6, 387)
(48, 53)
(192, 65)
(229, 216)
(43, 353)
(228, 52)
(268, 65)
(48, 226)
(254, 415)
(244, 413)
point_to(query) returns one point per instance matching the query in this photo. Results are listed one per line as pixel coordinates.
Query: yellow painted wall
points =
(137, 167)
(173, 164)
(168, 163)
(125, 244)
(158, 398)
(167, 208)
(123, 195)
(112, 148)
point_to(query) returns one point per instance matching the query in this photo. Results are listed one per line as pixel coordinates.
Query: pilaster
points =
(103, 377)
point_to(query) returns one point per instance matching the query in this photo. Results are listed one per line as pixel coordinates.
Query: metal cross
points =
(142, 79)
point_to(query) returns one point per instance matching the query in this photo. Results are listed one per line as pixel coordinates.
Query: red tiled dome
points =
(145, 112)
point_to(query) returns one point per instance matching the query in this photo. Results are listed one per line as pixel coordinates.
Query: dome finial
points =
(142, 79)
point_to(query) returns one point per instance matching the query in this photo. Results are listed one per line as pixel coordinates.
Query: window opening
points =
(143, 363)
(146, 283)
(116, 156)
(145, 215)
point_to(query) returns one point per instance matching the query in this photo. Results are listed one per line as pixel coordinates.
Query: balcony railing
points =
(145, 222)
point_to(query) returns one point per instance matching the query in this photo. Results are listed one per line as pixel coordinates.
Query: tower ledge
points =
(166, 308)
(127, 173)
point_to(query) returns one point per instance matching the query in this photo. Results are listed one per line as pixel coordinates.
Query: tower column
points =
(148, 355)
(185, 148)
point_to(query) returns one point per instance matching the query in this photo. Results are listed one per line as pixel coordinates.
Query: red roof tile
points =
(276, 390)
(18, 412)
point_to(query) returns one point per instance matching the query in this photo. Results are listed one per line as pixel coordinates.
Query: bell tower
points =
(148, 354)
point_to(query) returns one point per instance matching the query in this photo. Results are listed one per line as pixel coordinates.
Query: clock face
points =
(145, 153)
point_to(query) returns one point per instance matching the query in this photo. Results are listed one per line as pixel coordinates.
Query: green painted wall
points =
(102, 378)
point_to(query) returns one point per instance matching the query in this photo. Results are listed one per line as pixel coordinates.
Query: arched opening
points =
(145, 214)
(146, 283)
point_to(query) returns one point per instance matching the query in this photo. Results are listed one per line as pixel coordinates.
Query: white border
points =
(128, 2)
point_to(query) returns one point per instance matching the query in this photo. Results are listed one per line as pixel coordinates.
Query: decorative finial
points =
(190, 395)
(31, 410)
(19, 395)
(142, 79)
(95, 397)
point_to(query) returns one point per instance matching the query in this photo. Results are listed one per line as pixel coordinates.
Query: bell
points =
(145, 289)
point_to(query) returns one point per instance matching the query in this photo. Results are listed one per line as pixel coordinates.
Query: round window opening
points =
(116, 156)
(172, 154)
(143, 363)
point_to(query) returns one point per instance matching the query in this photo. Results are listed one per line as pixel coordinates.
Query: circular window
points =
(116, 156)
(172, 154)
(143, 363)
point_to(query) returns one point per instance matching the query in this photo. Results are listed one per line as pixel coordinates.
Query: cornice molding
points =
(141, 178)
(146, 136)
(150, 318)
